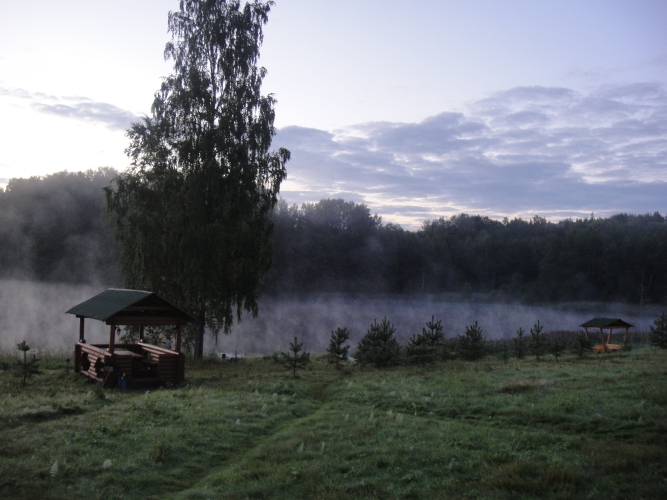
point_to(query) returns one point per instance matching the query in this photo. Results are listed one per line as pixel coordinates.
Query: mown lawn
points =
(591, 428)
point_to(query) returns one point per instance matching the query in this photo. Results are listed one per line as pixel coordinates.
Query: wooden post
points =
(141, 334)
(82, 339)
(604, 345)
(112, 338)
(179, 333)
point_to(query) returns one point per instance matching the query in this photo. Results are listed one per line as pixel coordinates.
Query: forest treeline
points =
(55, 228)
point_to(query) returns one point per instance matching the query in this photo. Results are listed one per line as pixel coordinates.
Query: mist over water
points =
(312, 319)
(35, 312)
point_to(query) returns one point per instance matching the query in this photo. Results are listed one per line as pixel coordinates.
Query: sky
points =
(419, 109)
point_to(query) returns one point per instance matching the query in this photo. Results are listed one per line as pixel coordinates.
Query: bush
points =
(379, 347)
(428, 346)
(658, 332)
(557, 348)
(584, 345)
(504, 351)
(470, 346)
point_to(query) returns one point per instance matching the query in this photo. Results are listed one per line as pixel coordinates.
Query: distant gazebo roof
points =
(606, 323)
(602, 324)
(130, 307)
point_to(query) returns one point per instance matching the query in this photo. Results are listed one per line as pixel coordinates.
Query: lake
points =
(35, 312)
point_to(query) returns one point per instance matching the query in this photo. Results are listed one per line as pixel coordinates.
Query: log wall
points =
(97, 358)
(94, 361)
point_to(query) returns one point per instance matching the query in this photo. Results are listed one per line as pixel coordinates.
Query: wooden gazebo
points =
(610, 324)
(123, 364)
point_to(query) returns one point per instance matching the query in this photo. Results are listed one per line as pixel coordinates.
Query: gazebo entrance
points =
(122, 364)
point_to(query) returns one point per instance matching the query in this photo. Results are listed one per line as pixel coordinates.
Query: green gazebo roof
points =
(130, 307)
(606, 323)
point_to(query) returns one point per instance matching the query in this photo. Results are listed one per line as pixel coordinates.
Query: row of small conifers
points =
(380, 348)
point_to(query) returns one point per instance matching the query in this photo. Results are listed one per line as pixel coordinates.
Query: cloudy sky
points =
(420, 109)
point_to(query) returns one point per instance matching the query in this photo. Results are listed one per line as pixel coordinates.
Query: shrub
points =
(658, 332)
(428, 346)
(379, 347)
(337, 351)
(584, 345)
(557, 347)
(504, 351)
(470, 346)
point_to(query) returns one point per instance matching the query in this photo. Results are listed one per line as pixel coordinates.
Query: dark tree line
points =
(55, 228)
(336, 245)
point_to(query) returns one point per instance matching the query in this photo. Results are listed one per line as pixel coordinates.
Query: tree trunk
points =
(199, 334)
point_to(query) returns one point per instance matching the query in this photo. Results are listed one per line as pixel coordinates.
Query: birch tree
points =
(193, 211)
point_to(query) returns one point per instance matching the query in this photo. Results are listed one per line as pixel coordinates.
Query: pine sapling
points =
(538, 341)
(658, 332)
(520, 344)
(338, 350)
(428, 346)
(471, 345)
(26, 368)
(379, 347)
(298, 359)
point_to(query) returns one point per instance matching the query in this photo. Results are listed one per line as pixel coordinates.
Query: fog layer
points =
(312, 319)
(35, 312)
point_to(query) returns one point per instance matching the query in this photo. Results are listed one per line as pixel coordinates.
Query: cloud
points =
(74, 107)
(524, 151)
(99, 112)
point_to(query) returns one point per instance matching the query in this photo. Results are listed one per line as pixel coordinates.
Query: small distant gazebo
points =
(130, 363)
(610, 324)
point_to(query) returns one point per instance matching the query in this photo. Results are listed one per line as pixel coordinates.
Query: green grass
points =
(591, 428)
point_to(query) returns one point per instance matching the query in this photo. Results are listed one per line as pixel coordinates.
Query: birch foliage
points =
(193, 211)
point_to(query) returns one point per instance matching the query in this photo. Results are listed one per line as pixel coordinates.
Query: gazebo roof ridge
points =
(116, 303)
(606, 323)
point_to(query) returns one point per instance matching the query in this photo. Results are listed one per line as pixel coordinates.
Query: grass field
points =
(574, 428)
